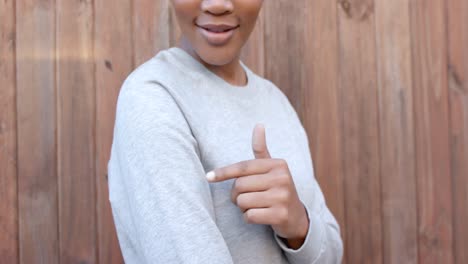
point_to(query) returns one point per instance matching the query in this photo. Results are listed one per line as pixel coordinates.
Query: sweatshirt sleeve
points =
(323, 242)
(160, 199)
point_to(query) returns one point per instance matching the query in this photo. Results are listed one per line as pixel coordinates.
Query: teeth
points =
(216, 30)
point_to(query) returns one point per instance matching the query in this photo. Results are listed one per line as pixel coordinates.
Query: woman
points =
(210, 162)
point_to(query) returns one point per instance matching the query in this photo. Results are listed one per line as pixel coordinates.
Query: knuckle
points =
(282, 163)
(243, 167)
(283, 196)
(249, 216)
(283, 179)
(240, 201)
(278, 177)
(238, 185)
(257, 148)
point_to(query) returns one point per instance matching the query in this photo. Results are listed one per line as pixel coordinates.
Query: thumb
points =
(259, 146)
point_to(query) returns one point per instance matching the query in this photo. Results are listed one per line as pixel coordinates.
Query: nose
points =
(217, 7)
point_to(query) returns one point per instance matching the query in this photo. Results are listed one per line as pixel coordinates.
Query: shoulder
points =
(157, 71)
(145, 98)
(148, 114)
(151, 85)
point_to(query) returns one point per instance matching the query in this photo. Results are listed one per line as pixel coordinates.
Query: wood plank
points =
(175, 31)
(37, 175)
(301, 59)
(114, 61)
(360, 131)
(75, 132)
(396, 132)
(8, 151)
(282, 52)
(151, 28)
(458, 90)
(317, 103)
(253, 52)
(431, 127)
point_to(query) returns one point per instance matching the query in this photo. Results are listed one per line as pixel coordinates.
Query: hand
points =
(265, 192)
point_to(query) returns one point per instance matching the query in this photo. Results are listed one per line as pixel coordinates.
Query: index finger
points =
(240, 169)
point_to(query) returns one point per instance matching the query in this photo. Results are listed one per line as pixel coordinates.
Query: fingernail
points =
(210, 176)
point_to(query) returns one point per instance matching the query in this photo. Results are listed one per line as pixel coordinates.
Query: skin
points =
(263, 188)
(264, 191)
(222, 60)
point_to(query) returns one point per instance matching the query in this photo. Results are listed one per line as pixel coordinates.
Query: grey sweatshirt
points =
(175, 121)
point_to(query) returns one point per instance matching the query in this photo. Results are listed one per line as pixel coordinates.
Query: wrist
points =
(297, 241)
(303, 224)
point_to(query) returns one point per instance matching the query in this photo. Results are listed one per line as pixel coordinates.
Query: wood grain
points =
(75, 132)
(37, 157)
(151, 28)
(431, 127)
(379, 86)
(301, 59)
(397, 158)
(317, 100)
(457, 17)
(114, 61)
(253, 52)
(360, 131)
(175, 31)
(8, 151)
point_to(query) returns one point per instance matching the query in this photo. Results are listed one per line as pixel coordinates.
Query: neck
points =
(231, 72)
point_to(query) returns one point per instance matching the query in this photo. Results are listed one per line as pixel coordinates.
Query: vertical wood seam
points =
(132, 34)
(15, 83)
(379, 128)
(449, 134)
(339, 99)
(379, 91)
(93, 76)
(263, 35)
(171, 38)
(133, 37)
(17, 134)
(56, 132)
(379, 135)
(413, 114)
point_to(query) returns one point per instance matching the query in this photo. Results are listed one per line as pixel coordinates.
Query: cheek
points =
(248, 11)
(249, 7)
(186, 11)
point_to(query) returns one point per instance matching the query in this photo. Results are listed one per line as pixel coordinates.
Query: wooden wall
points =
(380, 86)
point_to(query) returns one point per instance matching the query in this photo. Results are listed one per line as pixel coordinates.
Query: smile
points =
(217, 34)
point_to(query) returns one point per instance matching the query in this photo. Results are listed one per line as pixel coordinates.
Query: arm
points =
(160, 198)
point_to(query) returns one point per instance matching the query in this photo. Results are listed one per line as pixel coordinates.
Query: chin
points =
(218, 56)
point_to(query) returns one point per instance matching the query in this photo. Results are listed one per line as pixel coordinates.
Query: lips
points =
(218, 28)
(217, 34)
